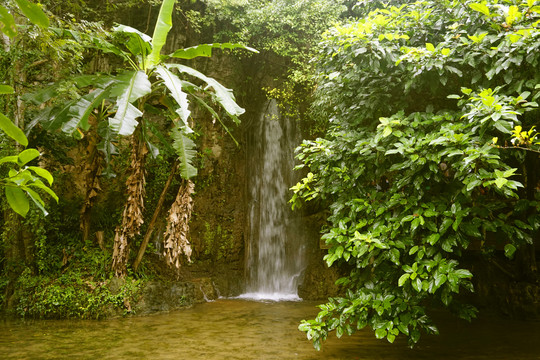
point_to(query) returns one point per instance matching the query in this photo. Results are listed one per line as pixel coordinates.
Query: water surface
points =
(239, 329)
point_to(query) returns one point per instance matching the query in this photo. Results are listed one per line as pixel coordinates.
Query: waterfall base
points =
(258, 296)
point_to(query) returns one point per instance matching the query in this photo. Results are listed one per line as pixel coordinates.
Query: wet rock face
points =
(158, 297)
(319, 280)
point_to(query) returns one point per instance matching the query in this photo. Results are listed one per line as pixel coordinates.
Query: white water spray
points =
(275, 251)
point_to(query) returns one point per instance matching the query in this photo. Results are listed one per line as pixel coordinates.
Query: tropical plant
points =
(24, 182)
(118, 103)
(411, 176)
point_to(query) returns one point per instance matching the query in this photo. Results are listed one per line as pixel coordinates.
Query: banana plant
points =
(121, 99)
(24, 182)
(127, 92)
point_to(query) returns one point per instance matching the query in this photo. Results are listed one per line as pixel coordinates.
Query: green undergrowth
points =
(74, 295)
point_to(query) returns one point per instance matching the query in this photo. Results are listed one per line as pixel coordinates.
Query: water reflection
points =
(238, 329)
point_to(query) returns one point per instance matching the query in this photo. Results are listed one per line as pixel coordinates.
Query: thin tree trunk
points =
(152, 223)
(93, 171)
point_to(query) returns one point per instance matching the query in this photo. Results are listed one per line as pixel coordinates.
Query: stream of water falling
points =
(275, 257)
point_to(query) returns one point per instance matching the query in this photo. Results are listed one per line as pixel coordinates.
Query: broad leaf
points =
(223, 95)
(40, 185)
(33, 12)
(12, 131)
(125, 119)
(107, 146)
(480, 8)
(216, 116)
(54, 119)
(13, 159)
(37, 200)
(27, 155)
(162, 28)
(174, 84)
(5, 89)
(7, 23)
(185, 149)
(206, 50)
(17, 200)
(168, 148)
(43, 173)
(82, 109)
(139, 42)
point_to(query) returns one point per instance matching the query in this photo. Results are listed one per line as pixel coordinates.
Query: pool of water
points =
(241, 329)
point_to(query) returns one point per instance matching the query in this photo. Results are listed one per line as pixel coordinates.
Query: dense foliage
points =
(422, 104)
(100, 85)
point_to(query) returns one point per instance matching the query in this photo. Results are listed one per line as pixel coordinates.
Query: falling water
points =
(275, 250)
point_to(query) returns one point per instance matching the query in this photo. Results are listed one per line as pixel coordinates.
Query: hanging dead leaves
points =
(176, 242)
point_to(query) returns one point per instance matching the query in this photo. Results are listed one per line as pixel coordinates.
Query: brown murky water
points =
(238, 329)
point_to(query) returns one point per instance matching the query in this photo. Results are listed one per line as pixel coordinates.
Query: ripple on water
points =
(240, 329)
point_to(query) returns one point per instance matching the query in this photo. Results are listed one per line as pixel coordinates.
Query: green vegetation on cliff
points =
(423, 103)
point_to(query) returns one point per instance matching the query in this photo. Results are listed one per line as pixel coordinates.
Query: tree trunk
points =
(151, 226)
(93, 171)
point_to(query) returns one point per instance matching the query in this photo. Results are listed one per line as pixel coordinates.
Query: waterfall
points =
(275, 250)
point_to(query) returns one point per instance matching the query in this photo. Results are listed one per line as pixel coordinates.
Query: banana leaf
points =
(206, 50)
(162, 28)
(185, 149)
(174, 84)
(125, 120)
(223, 95)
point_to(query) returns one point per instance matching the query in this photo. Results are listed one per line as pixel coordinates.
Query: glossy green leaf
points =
(81, 110)
(33, 12)
(28, 155)
(174, 84)
(43, 173)
(482, 8)
(162, 28)
(7, 23)
(223, 95)
(36, 198)
(205, 50)
(17, 200)
(125, 120)
(12, 131)
(12, 159)
(40, 185)
(185, 149)
(6, 89)
(403, 279)
(509, 250)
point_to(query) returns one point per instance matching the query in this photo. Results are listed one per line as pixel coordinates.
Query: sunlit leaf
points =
(17, 200)
(139, 43)
(223, 95)
(28, 155)
(174, 84)
(125, 119)
(162, 28)
(480, 8)
(185, 149)
(6, 89)
(7, 23)
(33, 12)
(205, 50)
(36, 198)
(12, 131)
(43, 173)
